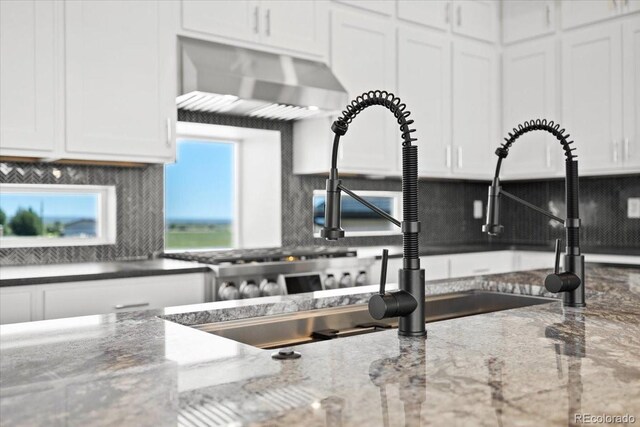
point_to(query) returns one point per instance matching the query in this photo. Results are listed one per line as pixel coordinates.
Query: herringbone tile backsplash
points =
(139, 193)
(446, 207)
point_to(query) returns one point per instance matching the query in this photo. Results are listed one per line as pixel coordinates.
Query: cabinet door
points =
(474, 109)
(15, 306)
(479, 263)
(363, 59)
(434, 13)
(630, 6)
(238, 19)
(120, 76)
(523, 19)
(436, 267)
(529, 93)
(122, 295)
(27, 77)
(384, 7)
(424, 84)
(631, 93)
(528, 260)
(579, 12)
(591, 95)
(476, 18)
(296, 25)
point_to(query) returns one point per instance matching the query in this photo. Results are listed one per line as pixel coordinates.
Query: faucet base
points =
(413, 325)
(575, 264)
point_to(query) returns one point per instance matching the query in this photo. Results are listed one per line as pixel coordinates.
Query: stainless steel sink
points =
(315, 325)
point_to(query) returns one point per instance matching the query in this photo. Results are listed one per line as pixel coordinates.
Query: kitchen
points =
(196, 229)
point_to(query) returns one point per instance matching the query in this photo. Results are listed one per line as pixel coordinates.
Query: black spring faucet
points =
(571, 282)
(407, 302)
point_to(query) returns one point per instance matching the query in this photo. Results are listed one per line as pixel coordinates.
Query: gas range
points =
(252, 273)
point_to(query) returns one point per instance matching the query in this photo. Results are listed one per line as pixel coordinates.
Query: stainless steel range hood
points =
(232, 80)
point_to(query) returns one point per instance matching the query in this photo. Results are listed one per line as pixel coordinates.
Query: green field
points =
(199, 238)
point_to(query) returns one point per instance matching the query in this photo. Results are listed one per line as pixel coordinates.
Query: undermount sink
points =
(303, 327)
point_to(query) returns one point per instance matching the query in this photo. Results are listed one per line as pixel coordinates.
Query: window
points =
(56, 215)
(357, 219)
(199, 198)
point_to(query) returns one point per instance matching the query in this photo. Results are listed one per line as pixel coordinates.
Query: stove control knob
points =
(270, 288)
(228, 291)
(249, 289)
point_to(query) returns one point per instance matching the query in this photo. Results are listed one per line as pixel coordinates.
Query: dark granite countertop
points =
(396, 252)
(19, 275)
(71, 272)
(533, 366)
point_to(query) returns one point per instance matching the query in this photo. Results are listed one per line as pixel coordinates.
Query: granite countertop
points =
(531, 366)
(71, 272)
(17, 275)
(596, 252)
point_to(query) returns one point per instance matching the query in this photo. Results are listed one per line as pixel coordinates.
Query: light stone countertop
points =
(532, 366)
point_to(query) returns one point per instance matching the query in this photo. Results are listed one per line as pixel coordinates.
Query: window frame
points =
(396, 212)
(106, 216)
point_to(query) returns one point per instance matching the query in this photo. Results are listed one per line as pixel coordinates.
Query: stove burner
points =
(243, 256)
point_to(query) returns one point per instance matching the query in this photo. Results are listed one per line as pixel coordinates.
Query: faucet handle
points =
(561, 282)
(556, 269)
(383, 271)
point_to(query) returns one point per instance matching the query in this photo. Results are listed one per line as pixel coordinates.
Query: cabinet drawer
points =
(480, 263)
(15, 307)
(120, 295)
(435, 267)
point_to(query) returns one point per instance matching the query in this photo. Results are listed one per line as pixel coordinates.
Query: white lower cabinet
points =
(476, 263)
(54, 301)
(15, 305)
(532, 260)
(451, 266)
(436, 267)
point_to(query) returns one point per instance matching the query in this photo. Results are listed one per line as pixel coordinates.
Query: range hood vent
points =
(219, 78)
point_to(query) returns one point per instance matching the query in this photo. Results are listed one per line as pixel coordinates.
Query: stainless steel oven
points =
(252, 273)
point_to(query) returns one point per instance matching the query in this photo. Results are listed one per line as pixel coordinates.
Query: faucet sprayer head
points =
(492, 226)
(332, 229)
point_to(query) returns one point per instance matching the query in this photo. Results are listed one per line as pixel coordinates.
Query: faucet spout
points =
(407, 302)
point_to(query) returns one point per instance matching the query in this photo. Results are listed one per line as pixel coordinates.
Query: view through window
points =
(48, 215)
(199, 196)
(357, 219)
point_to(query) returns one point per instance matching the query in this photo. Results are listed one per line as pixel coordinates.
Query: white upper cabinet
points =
(630, 6)
(27, 78)
(592, 95)
(476, 18)
(424, 82)
(297, 25)
(120, 79)
(579, 12)
(529, 93)
(434, 13)
(474, 109)
(631, 93)
(237, 19)
(291, 25)
(385, 7)
(363, 59)
(523, 19)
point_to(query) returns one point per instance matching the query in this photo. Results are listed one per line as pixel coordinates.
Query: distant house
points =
(80, 228)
